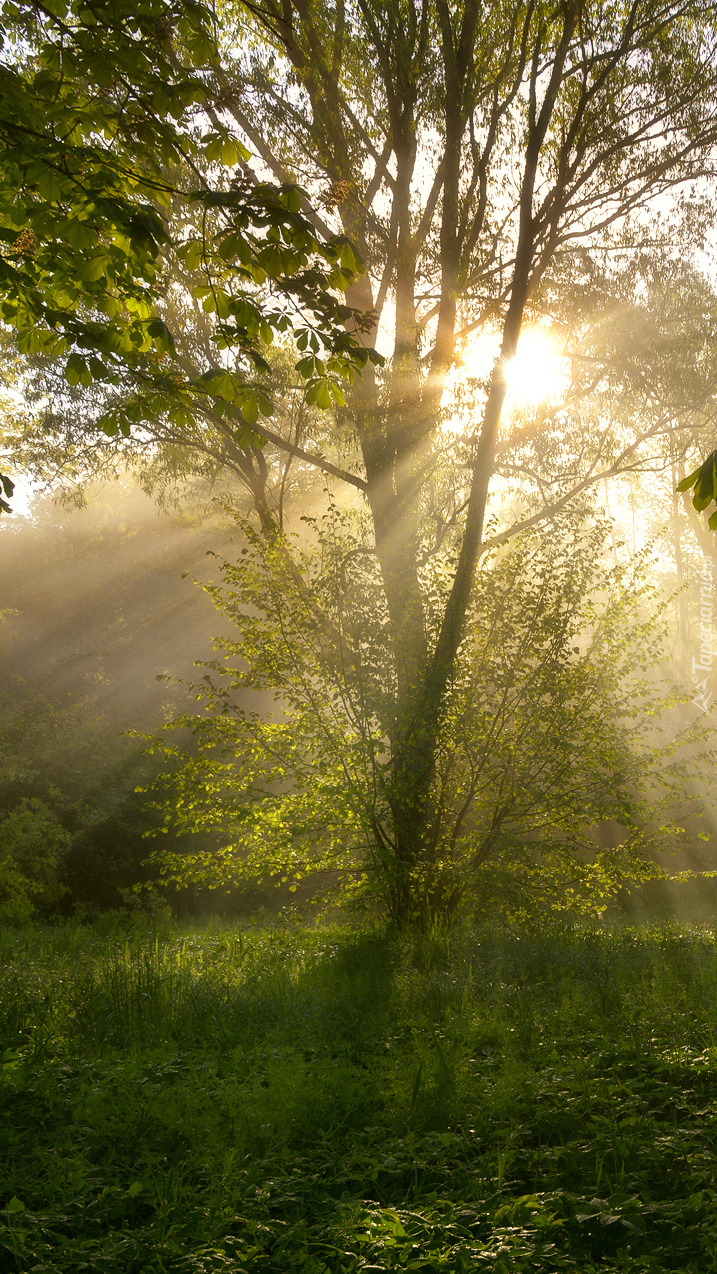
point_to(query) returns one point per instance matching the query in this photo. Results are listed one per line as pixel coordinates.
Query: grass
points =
(330, 1101)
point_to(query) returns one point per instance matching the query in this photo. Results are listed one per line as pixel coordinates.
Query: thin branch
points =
(284, 444)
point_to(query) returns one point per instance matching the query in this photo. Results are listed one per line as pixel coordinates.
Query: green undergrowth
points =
(332, 1101)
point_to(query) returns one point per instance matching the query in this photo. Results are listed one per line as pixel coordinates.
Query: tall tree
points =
(473, 153)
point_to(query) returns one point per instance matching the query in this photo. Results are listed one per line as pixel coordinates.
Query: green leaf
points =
(161, 336)
(245, 437)
(266, 407)
(50, 185)
(277, 261)
(686, 483)
(250, 408)
(233, 151)
(219, 148)
(320, 394)
(191, 253)
(290, 199)
(77, 371)
(235, 247)
(93, 268)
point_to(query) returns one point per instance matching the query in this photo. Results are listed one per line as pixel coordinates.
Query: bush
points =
(33, 843)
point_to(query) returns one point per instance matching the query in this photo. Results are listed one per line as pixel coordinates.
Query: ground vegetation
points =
(329, 1102)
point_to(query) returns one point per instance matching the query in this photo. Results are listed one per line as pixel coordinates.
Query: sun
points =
(539, 373)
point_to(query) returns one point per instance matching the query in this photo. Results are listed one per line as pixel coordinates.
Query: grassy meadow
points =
(323, 1101)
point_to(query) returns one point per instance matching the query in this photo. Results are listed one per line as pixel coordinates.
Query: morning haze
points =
(388, 943)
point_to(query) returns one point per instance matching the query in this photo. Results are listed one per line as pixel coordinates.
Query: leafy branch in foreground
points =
(704, 481)
(113, 182)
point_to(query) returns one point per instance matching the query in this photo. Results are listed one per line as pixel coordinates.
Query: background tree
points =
(99, 608)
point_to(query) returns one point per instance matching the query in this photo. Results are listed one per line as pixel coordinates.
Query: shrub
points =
(32, 845)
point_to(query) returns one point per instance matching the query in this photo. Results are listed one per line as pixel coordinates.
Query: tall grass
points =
(81, 990)
(334, 1101)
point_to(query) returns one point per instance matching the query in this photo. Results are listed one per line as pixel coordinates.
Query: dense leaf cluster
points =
(113, 179)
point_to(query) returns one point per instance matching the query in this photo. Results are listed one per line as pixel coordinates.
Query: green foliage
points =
(102, 142)
(558, 724)
(67, 792)
(555, 725)
(96, 594)
(33, 843)
(92, 101)
(704, 481)
(291, 792)
(334, 1102)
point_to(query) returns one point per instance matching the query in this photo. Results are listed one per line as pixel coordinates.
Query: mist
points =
(96, 596)
(98, 603)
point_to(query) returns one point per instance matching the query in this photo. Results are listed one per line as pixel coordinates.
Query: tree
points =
(554, 725)
(97, 600)
(32, 845)
(486, 163)
(473, 155)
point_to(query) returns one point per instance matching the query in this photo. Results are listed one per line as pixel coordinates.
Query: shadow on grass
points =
(233, 1101)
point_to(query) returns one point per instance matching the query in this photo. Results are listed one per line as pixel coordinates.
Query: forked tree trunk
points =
(422, 690)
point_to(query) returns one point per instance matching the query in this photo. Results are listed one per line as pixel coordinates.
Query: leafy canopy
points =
(115, 176)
